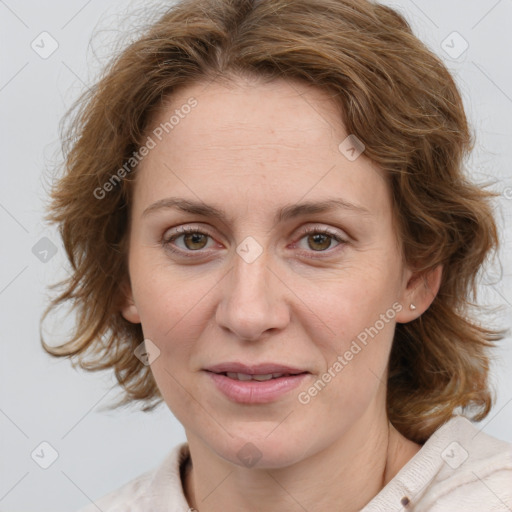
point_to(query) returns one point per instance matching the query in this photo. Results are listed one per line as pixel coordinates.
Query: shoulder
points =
(458, 468)
(154, 490)
(474, 470)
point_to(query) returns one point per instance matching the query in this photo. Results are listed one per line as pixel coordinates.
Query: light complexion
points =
(249, 149)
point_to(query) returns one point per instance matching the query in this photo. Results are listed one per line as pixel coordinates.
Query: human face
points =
(252, 289)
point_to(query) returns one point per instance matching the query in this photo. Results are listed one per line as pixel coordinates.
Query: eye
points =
(193, 239)
(320, 239)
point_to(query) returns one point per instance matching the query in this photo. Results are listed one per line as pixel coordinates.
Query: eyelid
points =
(303, 231)
(323, 230)
(319, 229)
(183, 230)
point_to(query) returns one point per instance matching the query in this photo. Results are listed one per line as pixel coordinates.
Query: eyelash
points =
(166, 241)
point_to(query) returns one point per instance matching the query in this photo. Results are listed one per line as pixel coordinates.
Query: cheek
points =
(357, 313)
(345, 305)
(355, 360)
(170, 317)
(166, 296)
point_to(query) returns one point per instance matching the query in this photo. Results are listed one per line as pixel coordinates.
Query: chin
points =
(261, 450)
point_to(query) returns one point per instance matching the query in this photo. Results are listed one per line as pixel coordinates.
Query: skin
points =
(249, 148)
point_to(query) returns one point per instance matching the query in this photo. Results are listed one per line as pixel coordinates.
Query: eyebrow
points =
(284, 213)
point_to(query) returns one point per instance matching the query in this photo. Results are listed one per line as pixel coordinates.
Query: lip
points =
(255, 392)
(254, 369)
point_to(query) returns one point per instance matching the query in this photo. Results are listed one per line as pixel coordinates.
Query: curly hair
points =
(395, 95)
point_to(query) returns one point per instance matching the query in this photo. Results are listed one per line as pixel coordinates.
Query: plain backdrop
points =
(51, 51)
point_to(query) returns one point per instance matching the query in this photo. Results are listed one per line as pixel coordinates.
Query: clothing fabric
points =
(459, 468)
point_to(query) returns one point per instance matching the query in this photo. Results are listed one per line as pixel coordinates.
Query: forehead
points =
(279, 111)
(269, 140)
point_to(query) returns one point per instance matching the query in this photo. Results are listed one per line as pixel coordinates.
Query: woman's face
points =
(249, 284)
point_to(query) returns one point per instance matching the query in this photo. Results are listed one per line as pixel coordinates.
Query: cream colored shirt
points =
(458, 469)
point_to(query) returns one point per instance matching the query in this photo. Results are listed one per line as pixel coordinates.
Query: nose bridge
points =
(251, 303)
(249, 280)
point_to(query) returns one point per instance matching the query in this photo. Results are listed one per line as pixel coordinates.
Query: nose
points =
(253, 300)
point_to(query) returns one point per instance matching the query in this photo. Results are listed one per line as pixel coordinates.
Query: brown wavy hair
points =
(397, 97)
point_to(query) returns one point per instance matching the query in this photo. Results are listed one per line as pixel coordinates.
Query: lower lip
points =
(256, 392)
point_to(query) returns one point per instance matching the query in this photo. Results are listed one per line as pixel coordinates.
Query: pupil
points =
(195, 239)
(317, 239)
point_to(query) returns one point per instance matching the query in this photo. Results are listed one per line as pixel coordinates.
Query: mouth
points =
(255, 384)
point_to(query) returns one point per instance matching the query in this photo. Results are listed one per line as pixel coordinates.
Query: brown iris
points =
(318, 238)
(195, 238)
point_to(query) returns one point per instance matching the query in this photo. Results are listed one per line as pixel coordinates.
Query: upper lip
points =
(254, 369)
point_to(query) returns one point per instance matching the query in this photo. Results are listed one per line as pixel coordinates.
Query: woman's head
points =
(257, 286)
(255, 108)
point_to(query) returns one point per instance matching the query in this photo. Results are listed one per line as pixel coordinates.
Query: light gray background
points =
(45, 399)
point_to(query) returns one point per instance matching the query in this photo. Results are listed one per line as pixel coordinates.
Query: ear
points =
(421, 290)
(128, 308)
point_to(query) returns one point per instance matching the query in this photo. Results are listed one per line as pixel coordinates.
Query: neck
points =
(344, 476)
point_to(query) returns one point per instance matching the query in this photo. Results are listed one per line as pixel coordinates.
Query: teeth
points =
(268, 376)
(241, 376)
(245, 376)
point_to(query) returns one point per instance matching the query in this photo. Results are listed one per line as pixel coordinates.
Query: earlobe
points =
(129, 309)
(419, 293)
(131, 313)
